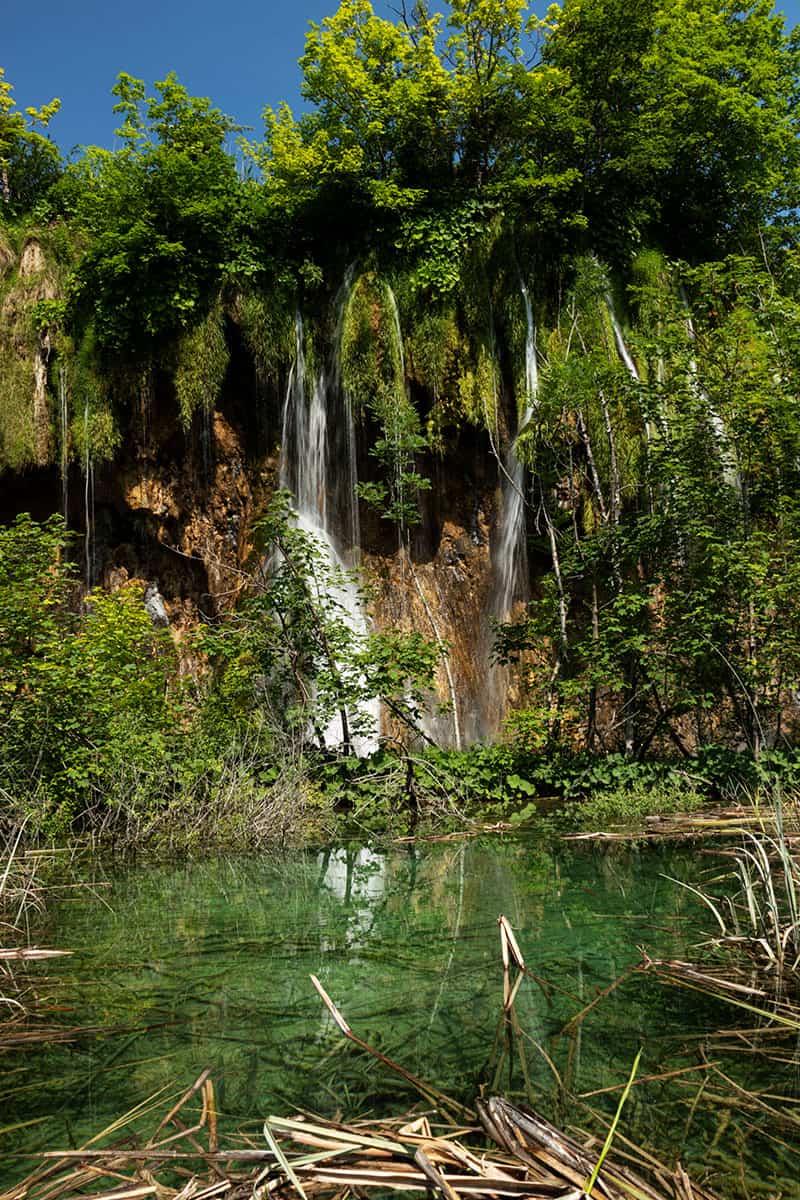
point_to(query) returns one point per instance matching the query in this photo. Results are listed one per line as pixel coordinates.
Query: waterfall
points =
(306, 472)
(349, 477)
(303, 462)
(619, 338)
(398, 333)
(627, 358)
(511, 555)
(531, 364)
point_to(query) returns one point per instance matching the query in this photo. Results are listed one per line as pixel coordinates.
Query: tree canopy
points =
(29, 160)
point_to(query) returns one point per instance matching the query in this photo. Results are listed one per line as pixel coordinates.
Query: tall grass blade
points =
(610, 1138)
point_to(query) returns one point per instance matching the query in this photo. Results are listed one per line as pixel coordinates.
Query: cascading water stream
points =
(531, 363)
(626, 356)
(511, 556)
(63, 404)
(619, 338)
(305, 473)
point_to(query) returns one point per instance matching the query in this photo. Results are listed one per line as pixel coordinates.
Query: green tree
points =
(293, 648)
(30, 162)
(85, 696)
(163, 215)
(672, 603)
(381, 131)
(487, 54)
(685, 117)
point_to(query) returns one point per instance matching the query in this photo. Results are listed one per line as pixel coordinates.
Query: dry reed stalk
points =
(31, 953)
(762, 1004)
(446, 1103)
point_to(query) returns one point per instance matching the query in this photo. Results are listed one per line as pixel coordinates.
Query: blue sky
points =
(241, 53)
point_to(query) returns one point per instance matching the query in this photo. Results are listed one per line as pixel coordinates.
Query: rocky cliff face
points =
(445, 588)
(175, 506)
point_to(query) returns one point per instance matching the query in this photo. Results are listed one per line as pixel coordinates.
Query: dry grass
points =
(231, 809)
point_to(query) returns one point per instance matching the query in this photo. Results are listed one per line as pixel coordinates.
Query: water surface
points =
(208, 964)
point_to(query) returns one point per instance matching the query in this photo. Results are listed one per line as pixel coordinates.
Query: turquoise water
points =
(208, 965)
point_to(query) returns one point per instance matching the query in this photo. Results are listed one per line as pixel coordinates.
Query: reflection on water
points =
(358, 879)
(208, 964)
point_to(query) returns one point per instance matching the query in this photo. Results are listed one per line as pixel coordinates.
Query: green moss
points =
(436, 350)
(202, 360)
(371, 351)
(477, 390)
(372, 359)
(93, 430)
(18, 338)
(31, 305)
(8, 257)
(266, 320)
(433, 344)
(17, 434)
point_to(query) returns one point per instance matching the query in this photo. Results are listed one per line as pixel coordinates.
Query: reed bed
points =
(19, 891)
(507, 1150)
(21, 903)
(759, 913)
(754, 900)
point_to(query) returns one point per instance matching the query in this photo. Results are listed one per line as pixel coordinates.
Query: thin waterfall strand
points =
(63, 403)
(88, 500)
(730, 467)
(351, 521)
(511, 556)
(531, 363)
(627, 358)
(619, 338)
